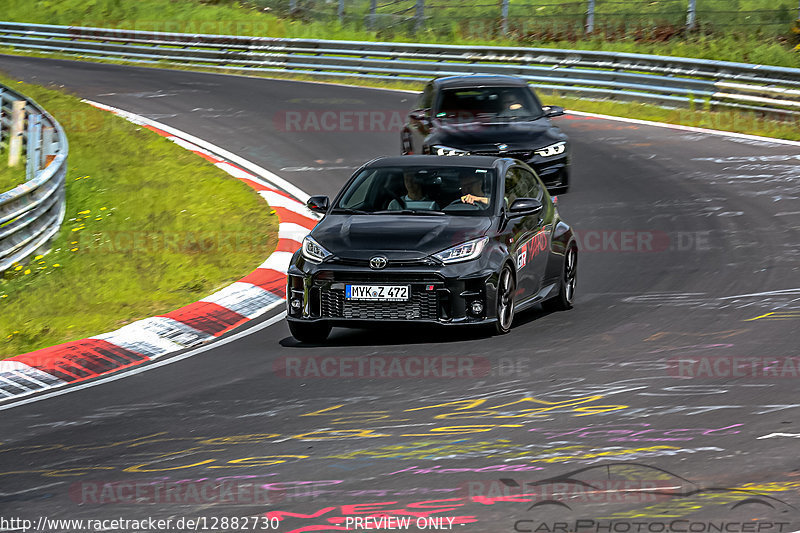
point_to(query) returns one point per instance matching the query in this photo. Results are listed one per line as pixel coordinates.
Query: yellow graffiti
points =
(777, 315)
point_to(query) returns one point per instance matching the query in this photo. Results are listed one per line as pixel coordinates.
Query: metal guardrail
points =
(661, 80)
(31, 213)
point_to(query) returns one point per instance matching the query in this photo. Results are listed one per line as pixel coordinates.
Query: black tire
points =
(506, 287)
(310, 332)
(566, 290)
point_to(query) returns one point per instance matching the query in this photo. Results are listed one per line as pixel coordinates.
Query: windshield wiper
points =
(424, 212)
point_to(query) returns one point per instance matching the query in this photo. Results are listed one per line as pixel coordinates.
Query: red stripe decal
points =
(207, 317)
(83, 359)
(268, 279)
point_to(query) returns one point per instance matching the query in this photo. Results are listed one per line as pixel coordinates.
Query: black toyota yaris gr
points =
(425, 239)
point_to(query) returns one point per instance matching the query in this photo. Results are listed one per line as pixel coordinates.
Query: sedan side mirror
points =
(318, 204)
(553, 110)
(523, 207)
(420, 114)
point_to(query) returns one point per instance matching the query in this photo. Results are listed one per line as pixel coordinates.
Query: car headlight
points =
(438, 149)
(463, 252)
(313, 251)
(554, 149)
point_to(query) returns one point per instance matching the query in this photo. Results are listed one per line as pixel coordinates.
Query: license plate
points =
(378, 293)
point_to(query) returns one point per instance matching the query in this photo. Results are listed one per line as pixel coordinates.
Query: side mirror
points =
(523, 207)
(318, 204)
(420, 114)
(553, 110)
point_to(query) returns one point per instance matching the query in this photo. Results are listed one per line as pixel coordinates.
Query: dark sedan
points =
(440, 240)
(489, 115)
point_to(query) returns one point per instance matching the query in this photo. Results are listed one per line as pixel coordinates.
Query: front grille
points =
(425, 261)
(521, 155)
(385, 277)
(421, 306)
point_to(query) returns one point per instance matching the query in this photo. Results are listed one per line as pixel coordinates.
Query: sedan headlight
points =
(554, 149)
(463, 252)
(438, 149)
(313, 251)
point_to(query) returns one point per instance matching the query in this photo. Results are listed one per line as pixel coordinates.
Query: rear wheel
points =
(506, 286)
(566, 292)
(310, 332)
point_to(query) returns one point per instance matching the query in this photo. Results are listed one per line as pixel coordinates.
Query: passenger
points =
(415, 197)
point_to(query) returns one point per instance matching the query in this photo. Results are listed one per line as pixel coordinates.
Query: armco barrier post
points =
(34, 146)
(504, 17)
(420, 16)
(691, 15)
(340, 12)
(590, 17)
(15, 135)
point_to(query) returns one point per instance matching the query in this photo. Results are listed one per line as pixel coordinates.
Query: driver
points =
(510, 106)
(415, 197)
(472, 190)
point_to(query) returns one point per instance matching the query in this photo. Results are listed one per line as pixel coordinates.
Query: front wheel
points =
(506, 286)
(566, 291)
(310, 332)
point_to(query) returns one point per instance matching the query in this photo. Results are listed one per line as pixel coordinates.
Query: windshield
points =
(471, 103)
(419, 191)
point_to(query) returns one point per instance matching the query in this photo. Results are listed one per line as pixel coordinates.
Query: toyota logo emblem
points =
(378, 262)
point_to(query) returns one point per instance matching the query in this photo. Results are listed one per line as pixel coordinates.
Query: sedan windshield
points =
(471, 103)
(428, 191)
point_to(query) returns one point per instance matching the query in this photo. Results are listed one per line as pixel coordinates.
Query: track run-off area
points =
(666, 400)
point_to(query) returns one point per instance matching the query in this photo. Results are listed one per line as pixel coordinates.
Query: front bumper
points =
(437, 294)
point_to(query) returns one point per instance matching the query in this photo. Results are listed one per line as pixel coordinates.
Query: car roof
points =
(478, 81)
(472, 161)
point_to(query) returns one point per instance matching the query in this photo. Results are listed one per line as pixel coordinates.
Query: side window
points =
(426, 98)
(520, 183)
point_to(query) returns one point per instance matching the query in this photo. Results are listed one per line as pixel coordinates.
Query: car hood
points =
(396, 236)
(480, 136)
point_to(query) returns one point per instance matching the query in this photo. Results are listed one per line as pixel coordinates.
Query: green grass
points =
(149, 227)
(10, 177)
(752, 31)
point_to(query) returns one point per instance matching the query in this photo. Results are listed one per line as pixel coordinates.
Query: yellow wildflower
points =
(27, 271)
(84, 212)
(37, 257)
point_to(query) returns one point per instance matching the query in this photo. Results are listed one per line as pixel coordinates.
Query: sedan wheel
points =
(506, 286)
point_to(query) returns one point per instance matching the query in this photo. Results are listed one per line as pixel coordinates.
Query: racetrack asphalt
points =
(689, 251)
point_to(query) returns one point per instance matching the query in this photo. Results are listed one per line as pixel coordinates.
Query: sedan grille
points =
(521, 155)
(421, 306)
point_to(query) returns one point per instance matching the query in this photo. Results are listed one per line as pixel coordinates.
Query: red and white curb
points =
(150, 338)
